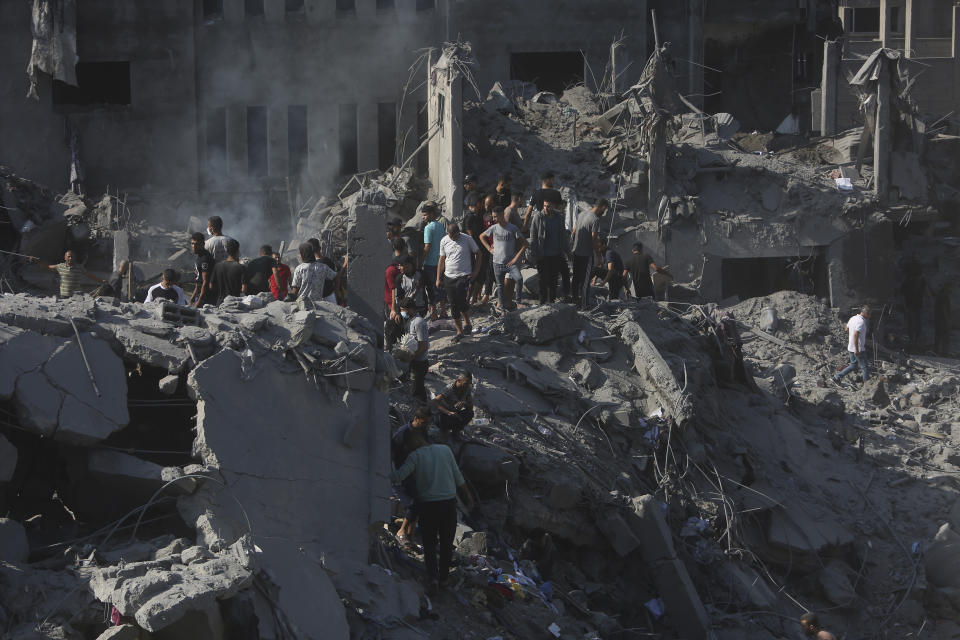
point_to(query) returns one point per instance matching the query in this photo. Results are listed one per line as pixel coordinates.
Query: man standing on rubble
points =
(216, 244)
(454, 405)
(280, 280)
(419, 335)
(433, 232)
(259, 270)
(810, 624)
(203, 270)
(437, 478)
(228, 274)
(474, 226)
(547, 191)
(612, 271)
(585, 232)
(469, 188)
(506, 245)
(548, 243)
(70, 273)
(857, 345)
(639, 267)
(311, 275)
(392, 321)
(459, 264)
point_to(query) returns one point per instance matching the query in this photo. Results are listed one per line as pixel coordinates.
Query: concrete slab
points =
(22, 351)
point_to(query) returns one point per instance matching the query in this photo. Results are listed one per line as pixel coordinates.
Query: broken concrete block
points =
(942, 558)
(38, 403)
(120, 632)
(184, 486)
(543, 323)
(747, 585)
(876, 391)
(172, 550)
(115, 465)
(8, 459)
(806, 539)
(768, 319)
(168, 385)
(473, 545)
(588, 374)
(21, 351)
(618, 534)
(488, 466)
(147, 349)
(14, 547)
(194, 554)
(835, 581)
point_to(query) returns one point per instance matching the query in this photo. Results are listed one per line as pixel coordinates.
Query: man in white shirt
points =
(166, 289)
(459, 264)
(857, 345)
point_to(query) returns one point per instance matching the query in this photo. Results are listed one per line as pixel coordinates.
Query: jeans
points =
(438, 524)
(501, 270)
(564, 269)
(548, 267)
(857, 360)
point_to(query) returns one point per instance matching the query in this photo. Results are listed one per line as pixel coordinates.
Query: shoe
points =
(468, 329)
(485, 299)
(836, 381)
(457, 338)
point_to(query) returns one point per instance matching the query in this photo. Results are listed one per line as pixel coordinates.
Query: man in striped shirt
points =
(70, 274)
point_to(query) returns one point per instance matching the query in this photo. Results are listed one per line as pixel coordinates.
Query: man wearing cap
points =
(469, 188)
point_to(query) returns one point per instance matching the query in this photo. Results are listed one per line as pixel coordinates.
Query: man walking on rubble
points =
(70, 273)
(392, 321)
(810, 624)
(437, 478)
(433, 231)
(216, 244)
(548, 243)
(857, 345)
(203, 270)
(399, 453)
(459, 264)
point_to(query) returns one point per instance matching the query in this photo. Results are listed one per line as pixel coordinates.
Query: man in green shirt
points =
(70, 274)
(438, 477)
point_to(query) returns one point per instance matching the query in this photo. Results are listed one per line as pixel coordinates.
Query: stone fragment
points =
(543, 323)
(14, 547)
(120, 632)
(876, 391)
(768, 319)
(805, 538)
(144, 348)
(473, 545)
(588, 374)
(8, 459)
(168, 384)
(38, 403)
(942, 558)
(20, 352)
(835, 582)
(195, 554)
(747, 585)
(618, 533)
(488, 466)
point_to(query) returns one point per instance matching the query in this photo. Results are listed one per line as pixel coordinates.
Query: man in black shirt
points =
(228, 274)
(454, 404)
(258, 271)
(639, 267)
(612, 270)
(204, 271)
(547, 193)
(475, 225)
(502, 196)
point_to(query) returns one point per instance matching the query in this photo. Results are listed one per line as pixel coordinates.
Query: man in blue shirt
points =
(433, 233)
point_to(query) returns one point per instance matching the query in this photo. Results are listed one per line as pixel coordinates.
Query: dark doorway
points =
(551, 70)
(756, 277)
(296, 139)
(386, 134)
(256, 142)
(348, 139)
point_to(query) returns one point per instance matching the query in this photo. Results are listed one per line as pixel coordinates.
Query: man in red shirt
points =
(392, 320)
(279, 289)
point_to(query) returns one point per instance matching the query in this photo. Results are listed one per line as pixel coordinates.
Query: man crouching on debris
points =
(857, 345)
(419, 335)
(810, 624)
(437, 478)
(455, 404)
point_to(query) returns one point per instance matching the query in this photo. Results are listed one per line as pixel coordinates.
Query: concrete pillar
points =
(237, 141)
(321, 11)
(274, 11)
(369, 254)
(278, 159)
(618, 65)
(695, 53)
(885, 33)
(121, 247)
(367, 140)
(881, 140)
(908, 38)
(233, 11)
(829, 87)
(445, 110)
(323, 152)
(656, 172)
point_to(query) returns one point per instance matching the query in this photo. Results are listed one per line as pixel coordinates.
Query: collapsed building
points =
(680, 469)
